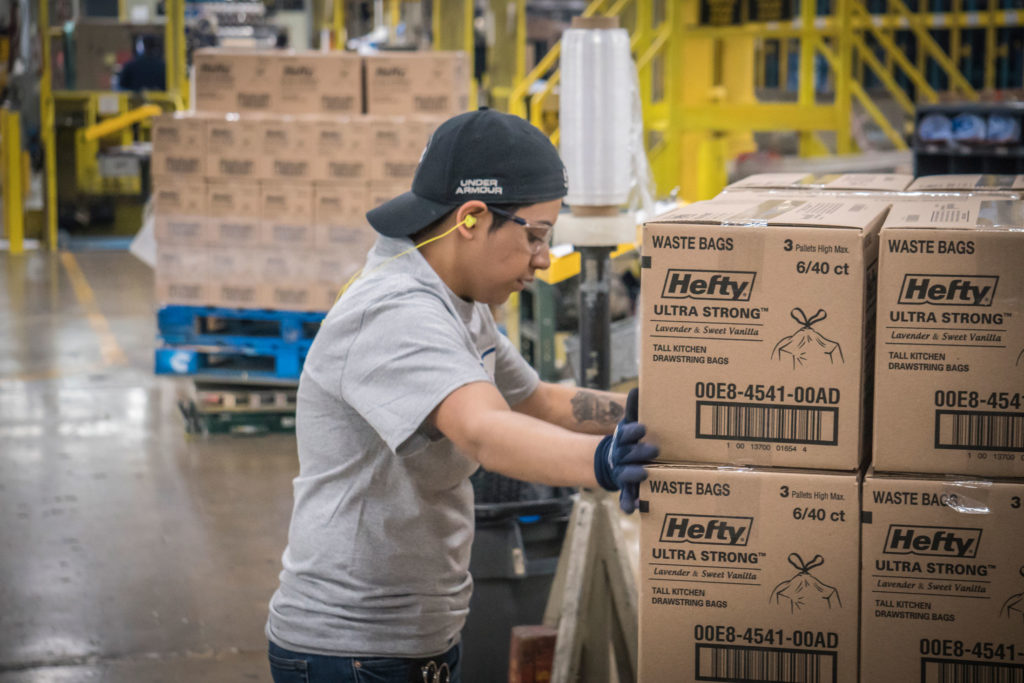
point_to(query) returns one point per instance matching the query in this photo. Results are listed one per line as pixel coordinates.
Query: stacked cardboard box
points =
(938, 591)
(755, 353)
(261, 194)
(942, 558)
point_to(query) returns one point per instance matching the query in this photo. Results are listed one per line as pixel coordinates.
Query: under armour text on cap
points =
(485, 155)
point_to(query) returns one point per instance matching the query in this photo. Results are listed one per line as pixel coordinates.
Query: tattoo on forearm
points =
(590, 407)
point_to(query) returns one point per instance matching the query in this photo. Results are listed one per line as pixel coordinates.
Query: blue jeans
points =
(297, 667)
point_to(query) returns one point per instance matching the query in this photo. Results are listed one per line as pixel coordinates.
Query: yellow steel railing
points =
(697, 81)
(12, 173)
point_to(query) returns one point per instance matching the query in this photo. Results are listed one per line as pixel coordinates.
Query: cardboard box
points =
(339, 216)
(239, 294)
(234, 210)
(173, 291)
(232, 148)
(235, 81)
(417, 83)
(860, 182)
(748, 575)
(942, 593)
(182, 262)
(179, 197)
(287, 214)
(949, 395)
(755, 321)
(287, 145)
(181, 230)
(393, 171)
(181, 276)
(342, 150)
(970, 183)
(312, 82)
(178, 146)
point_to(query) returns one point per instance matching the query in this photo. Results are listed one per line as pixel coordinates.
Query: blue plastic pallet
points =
(265, 360)
(236, 327)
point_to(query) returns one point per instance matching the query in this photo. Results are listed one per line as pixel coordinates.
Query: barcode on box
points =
(953, 671)
(764, 664)
(971, 429)
(765, 422)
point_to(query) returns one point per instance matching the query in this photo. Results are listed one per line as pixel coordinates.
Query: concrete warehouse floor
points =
(128, 550)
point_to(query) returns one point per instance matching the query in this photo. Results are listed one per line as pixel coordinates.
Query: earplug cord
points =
(469, 221)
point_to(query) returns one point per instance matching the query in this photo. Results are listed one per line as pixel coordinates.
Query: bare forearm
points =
(525, 448)
(580, 410)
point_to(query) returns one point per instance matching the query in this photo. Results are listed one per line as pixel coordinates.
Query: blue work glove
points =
(620, 457)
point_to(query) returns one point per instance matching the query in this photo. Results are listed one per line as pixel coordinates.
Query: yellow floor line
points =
(112, 352)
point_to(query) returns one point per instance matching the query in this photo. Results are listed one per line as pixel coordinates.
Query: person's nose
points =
(541, 260)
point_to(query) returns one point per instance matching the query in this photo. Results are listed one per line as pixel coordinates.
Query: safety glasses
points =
(540, 235)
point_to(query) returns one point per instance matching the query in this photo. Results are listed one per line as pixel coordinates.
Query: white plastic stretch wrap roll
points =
(596, 103)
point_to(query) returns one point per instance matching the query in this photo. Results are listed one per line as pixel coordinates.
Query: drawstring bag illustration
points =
(808, 347)
(1014, 607)
(804, 590)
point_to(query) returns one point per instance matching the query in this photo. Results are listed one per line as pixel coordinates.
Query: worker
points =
(408, 388)
(147, 71)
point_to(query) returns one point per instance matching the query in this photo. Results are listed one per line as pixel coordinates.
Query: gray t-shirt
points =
(377, 562)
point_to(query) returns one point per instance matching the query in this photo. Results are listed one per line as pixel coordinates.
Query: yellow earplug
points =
(470, 221)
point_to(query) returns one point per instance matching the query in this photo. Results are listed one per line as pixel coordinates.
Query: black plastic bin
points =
(515, 554)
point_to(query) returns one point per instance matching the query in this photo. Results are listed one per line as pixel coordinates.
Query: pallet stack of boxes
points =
(942, 581)
(261, 192)
(766, 318)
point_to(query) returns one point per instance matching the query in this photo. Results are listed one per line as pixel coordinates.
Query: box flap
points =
(961, 214)
(886, 182)
(818, 212)
(968, 181)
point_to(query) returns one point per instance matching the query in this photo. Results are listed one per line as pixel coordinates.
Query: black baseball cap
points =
(485, 155)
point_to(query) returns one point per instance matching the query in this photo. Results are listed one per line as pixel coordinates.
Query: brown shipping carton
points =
(287, 214)
(317, 82)
(949, 382)
(181, 230)
(942, 593)
(174, 197)
(181, 276)
(417, 83)
(860, 182)
(234, 210)
(342, 150)
(970, 183)
(234, 81)
(286, 279)
(178, 146)
(287, 147)
(339, 217)
(755, 331)
(748, 575)
(232, 148)
(233, 276)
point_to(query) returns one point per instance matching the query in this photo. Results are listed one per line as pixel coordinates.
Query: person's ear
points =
(469, 217)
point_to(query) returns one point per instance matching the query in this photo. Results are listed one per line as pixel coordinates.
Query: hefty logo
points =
(214, 68)
(716, 285)
(942, 541)
(390, 71)
(948, 290)
(706, 530)
(298, 71)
